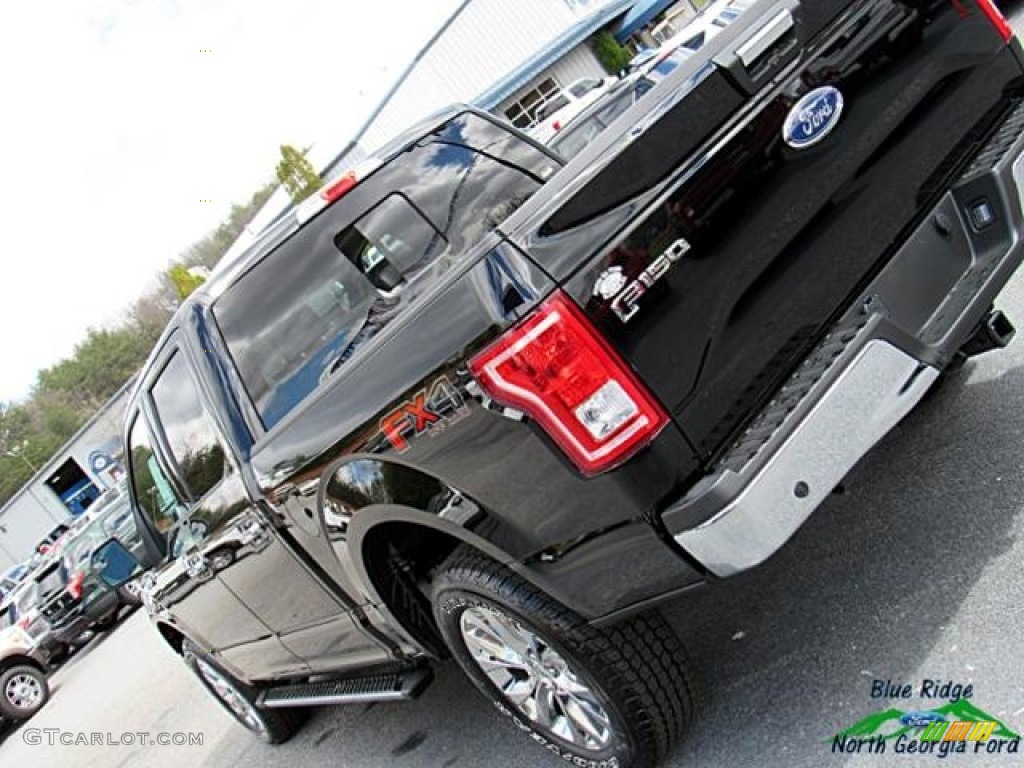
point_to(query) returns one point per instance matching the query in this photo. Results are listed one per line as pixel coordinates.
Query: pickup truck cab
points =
(472, 402)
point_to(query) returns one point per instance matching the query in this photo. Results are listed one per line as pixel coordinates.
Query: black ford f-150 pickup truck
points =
(470, 401)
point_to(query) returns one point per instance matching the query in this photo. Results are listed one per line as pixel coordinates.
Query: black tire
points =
(637, 670)
(107, 623)
(129, 594)
(13, 682)
(274, 726)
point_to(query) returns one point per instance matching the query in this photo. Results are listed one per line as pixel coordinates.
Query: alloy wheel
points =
(24, 692)
(535, 677)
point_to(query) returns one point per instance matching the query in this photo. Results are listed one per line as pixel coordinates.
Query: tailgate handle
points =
(772, 45)
(767, 36)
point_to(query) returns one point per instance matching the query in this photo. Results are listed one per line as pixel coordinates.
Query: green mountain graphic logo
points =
(886, 725)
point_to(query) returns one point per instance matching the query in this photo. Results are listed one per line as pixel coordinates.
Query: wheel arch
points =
(22, 660)
(394, 549)
(173, 636)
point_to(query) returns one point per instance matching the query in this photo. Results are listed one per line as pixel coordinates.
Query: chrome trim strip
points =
(880, 386)
(765, 38)
(411, 684)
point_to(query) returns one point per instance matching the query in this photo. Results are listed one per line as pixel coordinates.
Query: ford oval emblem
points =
(813, 118)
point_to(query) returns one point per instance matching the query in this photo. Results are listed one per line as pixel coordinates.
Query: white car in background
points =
(712, 19)
(565, 105)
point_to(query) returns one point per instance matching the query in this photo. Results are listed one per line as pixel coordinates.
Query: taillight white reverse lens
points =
(557, 368)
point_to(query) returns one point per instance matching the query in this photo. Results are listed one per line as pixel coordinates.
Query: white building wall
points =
(580, 62)
(25, 521)
(489, 39)
(36, 509)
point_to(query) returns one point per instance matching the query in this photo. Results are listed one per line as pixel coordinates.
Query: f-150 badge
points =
(813, 118)
(613, 284)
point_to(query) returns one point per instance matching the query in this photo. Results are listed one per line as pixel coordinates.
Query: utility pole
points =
(19, 455)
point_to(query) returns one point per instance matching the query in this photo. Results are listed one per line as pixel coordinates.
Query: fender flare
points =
(372, 517)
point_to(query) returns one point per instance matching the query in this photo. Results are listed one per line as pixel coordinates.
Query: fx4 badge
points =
(426, 412)
(614, 285)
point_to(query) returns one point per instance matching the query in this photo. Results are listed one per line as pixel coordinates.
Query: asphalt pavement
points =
(913, 574)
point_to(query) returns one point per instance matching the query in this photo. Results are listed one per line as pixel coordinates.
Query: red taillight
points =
(23, 622)
(998, 20)
(557, 125)
(555, 367)
(75, 585)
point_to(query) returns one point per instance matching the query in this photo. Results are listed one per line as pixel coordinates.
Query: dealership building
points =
(65, 486)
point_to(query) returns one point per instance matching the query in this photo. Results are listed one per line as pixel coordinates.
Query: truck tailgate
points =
(715, 244)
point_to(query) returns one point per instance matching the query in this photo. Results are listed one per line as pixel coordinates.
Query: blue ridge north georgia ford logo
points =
(813, 118)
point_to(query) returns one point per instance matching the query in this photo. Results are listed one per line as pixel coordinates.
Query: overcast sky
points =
(115, 124)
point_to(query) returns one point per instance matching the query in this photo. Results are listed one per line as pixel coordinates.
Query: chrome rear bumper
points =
(868, 399)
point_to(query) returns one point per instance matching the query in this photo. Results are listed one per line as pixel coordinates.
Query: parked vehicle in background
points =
(76, 600)
(22, 608)
(11, 578)
(712, 19)
(23, 671)
(577, 134)
(470, 401)
(649, 69)
(642, 57)
(585, 127)
(562, 107)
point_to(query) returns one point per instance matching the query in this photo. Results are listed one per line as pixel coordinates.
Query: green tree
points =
(208, 251)
(185, 280)
(99, 366)
(613, 57)
(296, 174)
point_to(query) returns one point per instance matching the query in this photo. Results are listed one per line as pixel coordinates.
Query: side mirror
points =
(114, 564)
(385, 276)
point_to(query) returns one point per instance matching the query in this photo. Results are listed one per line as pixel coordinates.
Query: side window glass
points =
(191, 434)
(153, 491)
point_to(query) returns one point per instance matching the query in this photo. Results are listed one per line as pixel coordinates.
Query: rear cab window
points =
(303, 311)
